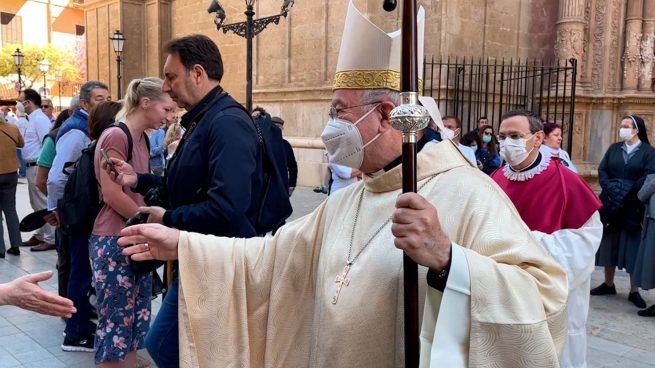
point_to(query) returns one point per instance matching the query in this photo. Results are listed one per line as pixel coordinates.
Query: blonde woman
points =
(124, 296)
(172, 139)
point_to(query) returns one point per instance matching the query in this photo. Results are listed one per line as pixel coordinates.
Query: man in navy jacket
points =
(213, 183)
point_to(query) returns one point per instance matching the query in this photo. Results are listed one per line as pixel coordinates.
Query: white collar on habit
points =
(513, 175)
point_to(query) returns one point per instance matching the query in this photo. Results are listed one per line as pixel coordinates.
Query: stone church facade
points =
(294, 61)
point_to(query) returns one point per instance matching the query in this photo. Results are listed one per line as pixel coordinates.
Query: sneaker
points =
(650, 312)
(604, 289)
(637, 300)
(84, 344)
(14, 251)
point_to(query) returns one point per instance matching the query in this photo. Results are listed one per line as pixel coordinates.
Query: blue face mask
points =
(486, 138)
(474, 148)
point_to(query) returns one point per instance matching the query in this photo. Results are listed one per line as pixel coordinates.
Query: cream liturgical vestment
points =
(270, 302)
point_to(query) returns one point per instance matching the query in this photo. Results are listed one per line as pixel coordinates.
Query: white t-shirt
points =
(341, 177)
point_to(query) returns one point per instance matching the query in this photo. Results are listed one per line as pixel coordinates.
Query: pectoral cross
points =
(341, 281)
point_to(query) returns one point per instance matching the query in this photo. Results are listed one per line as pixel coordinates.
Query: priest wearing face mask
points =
(326, 289)
(621, 174)
(566, 222)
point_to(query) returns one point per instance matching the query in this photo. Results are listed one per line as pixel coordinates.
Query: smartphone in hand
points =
(108, 160)
(139, 218)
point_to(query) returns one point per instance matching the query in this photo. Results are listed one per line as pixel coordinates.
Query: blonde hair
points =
(173, 133)
(138, 89)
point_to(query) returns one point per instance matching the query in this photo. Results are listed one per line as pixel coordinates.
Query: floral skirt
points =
(123, 301)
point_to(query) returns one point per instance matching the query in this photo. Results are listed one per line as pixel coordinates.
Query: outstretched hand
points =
(25, 292)
(417, 231)
(149, 241)
(121, 173)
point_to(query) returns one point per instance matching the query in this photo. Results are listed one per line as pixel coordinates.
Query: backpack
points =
(81, 203)
(275, 206)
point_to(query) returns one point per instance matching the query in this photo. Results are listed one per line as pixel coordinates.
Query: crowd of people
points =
(214, 188)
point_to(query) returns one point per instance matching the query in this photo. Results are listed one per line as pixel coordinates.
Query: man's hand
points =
(52, 219)
(418, 232)
(291, 189)
(124, 174)
(149, 241)
(155, 214)
(24, 292)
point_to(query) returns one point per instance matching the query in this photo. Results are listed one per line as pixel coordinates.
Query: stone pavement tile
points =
(641, 355)
(607, 346)
(602, 359)
(7, 360)
(72, 359)
(9, 330)
(49, 363)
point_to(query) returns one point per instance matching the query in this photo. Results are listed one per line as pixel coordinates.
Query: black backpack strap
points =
(126, 130)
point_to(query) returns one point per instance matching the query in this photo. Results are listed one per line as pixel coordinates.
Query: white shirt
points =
(341, 177)
(468, 153)
(38, 126)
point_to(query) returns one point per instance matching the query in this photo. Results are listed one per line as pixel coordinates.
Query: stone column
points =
(647, 44)
(570, 31)
(632, 54)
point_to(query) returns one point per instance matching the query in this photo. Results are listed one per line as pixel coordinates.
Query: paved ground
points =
(617, 336)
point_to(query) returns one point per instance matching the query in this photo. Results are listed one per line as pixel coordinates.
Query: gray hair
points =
(381, 94)
(138, 89)
(533, 120)
(75, 103)
(85, 90)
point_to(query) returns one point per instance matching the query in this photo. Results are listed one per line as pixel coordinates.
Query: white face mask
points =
(474, 148)
(344, 143)
(447, 133)
(20, 108)
(626, 134)
(513, 151)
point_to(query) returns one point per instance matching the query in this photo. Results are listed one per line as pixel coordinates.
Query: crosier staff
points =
(409, 117)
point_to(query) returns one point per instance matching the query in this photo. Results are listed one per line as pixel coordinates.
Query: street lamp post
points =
(18, 61)
(59, 76)
(248, 29)
(117, 41)
(44, 66)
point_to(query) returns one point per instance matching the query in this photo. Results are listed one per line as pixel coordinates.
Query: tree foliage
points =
(62, 63)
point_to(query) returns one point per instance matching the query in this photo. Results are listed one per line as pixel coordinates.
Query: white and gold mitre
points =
(369, 58)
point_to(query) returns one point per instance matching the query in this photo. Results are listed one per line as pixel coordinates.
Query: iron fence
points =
(471, 89)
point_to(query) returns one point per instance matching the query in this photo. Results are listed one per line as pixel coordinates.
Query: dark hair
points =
(198, 50)
(63, 116)
(638, 123)
(550, 127)
(482, 118)
(453, 117)
(33, 96)
(533, 120)
(469, 138)
(491, 146)
(277, 120)
(85, 90)
(102, 116)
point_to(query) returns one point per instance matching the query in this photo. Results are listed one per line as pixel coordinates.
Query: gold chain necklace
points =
(342, 279)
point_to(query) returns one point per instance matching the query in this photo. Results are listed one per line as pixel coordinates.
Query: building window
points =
(11, 28)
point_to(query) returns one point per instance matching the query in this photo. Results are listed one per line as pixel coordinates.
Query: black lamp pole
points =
(18, 61)
(118, 40)
(248, 29)
(119, 76)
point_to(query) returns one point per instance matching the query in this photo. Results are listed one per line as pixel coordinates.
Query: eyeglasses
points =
(45, 106)
(334, 112)
(502, 137)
